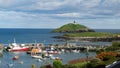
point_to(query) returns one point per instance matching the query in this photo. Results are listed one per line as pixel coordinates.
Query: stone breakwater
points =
(107, 39)
(1, 50)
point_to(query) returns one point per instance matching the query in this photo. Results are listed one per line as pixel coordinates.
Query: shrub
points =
(80, 60)
(70, 66)
(34, 66)
(57, 64)
(80, 65)
(100, 66)
(108, 58)
(94, 63)
(103, 55)
(77, 65)
(49, 66)
(43, 66)
(1, 54)
(99, 51)
(116, 44)
(43, 55)
(118, 54)
(46, 66)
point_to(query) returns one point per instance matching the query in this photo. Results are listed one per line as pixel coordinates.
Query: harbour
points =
(25, 60)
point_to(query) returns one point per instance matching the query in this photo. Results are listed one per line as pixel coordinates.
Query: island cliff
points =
(74, 31)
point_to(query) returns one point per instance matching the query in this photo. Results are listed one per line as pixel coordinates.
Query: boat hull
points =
(21, 49)
(53, 52)
(37, 57)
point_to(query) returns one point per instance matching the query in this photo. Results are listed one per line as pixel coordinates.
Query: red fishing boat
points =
(18, 47)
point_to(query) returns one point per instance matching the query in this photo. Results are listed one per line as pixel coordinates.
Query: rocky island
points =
(76, 32)
(73, 28)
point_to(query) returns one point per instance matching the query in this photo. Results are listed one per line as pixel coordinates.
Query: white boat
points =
(39, 60)
(53, 52)
(75, 51)
(55, 58)
(48, 55)
(36, 56)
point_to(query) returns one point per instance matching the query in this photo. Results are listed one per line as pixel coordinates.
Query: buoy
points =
(15, 58)
(21, 62)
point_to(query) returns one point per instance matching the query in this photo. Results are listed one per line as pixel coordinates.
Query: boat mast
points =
(14, 40)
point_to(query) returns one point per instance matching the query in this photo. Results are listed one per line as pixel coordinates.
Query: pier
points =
(1, 50)
(68, 46)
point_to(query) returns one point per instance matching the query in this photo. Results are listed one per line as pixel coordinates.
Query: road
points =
(115, 64)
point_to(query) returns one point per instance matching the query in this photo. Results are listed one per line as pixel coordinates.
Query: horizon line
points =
(52, 28)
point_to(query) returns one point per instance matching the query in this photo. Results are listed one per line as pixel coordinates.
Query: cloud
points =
(12, 19)
(46, 5)
(10, 3)
(68, 15)
(89, 3)
(27, 12)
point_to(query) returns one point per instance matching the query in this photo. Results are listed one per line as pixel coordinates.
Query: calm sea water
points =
(108, 30)
(29, 36)
(32, 35)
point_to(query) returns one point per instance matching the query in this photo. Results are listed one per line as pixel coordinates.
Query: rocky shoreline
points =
(75, 31)
(92, 39)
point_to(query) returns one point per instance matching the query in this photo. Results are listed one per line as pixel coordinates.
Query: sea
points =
(27, 35)
(23, 35)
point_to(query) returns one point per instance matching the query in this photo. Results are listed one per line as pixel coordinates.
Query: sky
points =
(95, 14)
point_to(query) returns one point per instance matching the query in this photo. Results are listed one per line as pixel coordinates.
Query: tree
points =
(43, 55)
(57, 64)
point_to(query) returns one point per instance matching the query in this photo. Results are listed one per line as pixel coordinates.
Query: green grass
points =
(115, 46)
(80, 64)
(70, 27)
(91, 34)
(110, 61)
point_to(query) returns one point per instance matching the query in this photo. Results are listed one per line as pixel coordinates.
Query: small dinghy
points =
(15, 58)
(37, 57)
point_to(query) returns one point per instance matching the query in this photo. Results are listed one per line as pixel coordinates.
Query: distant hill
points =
(73, 28)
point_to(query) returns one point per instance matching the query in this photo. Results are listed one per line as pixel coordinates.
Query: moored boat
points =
(17, 47)
(55, 58)
(37, 56)
(54, 52)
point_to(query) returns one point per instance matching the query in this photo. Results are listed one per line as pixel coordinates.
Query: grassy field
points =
(71, 28)
(91, 34)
